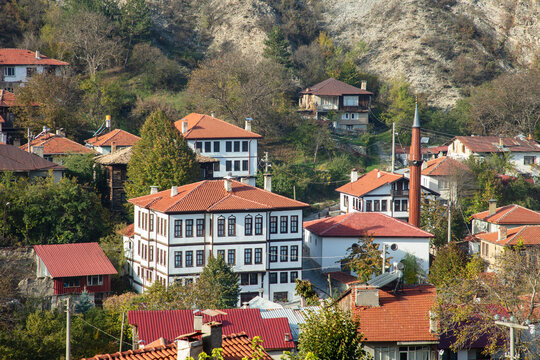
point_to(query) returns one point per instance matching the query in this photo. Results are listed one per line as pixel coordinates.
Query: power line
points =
(106, 333)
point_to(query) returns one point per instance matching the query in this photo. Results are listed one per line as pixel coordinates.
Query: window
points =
(189, 258)
(528, 160)
(244, 279)
(178, 228)
(283, 277)
(283, 253)
(244, 146)
(216, 166)
(231, 257)
(228, 146)
(221, 226)
(376, 205)
(245, 166)
(139, 247)
(237, 146)
(216, 146)
(349, 127)
(236, 165)
(164, 227)
(248, 225)
(221, 254)
(354, 116)
(9, 71)
(294, 276)
(283, 224)
(228, 165)
(199, 258)
(384, 205)
(294, 253)
(198, 146)
(273, 253)
(273, 224)
(72, 282)
(248, 253)
(368, 205)
(350, 100)
(95, 280)
(397, 205)
(281, 296)
(188, 282)
(258, 256)
(258, 225)
(151, 253)
(273, 278)
(294, 223)
(152, 222)
(200, 227)
(404, 205)
(345, 116)
(231, 226)
(189, 227)
(253, 279)
(207, 146)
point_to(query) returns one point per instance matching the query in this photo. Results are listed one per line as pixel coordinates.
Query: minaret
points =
(415, 166)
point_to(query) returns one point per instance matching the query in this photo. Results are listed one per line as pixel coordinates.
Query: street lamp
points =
(4, 226)
(512, 325)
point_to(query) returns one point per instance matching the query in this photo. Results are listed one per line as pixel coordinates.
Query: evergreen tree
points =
(84, 304)
(161, 158)
(277, 47)
(218, 285)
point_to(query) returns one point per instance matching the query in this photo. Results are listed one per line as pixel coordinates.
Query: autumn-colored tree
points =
(365, 259)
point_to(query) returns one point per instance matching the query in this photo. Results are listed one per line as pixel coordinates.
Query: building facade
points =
(257, 232)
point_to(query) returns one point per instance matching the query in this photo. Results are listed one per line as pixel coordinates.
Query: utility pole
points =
(122, 331)
(512, 326)
(449, 221)
(393, 146)
(329, 285)
(28, 135)
(266, 162)
(294, 191)
(68, 329)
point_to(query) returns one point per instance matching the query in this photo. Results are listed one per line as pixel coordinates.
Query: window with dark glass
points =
(283, 224)
(253, 279)
(283, 256)
(151, 222)
(294, 253)
(397, 205)
(200, 258)
(189, 227)
(294, 276)
(258, 225)
(376, 205)
(216, 166)
(207, 146)
(221, 254)
(273, 253)
(178, 228)
(94, 280)
(228, 165)
(368, 205)
(221, 226)
(72, 282)
(404, 205)
(236, 165)
(237, 146)
(151, 253)
(273, 224)
(189, 258)
(198, 145)
(228, 146)
(248, 253)
(244, 279)
(384, 205)
(273, 278)
(188, 282)
(245, 165)
(283, 277)
(258, 256)
(248, 225)
(200, 227)
(231, 226)
(9, 71)
(216, 146)
(244, 146)
(231, 257)
(294, 223)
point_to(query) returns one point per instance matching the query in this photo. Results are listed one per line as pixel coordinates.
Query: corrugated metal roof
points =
(294, 316)
(260, 303)
(383, 279)
(65, 260)
(169, 324)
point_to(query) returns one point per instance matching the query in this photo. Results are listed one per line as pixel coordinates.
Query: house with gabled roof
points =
(509, 216)
(75, 268)
(256, 231)
(18, 65)
(110, 142)
(22, 163)
(233, 149)
(54, 147)
(328, 239)
(446, 176)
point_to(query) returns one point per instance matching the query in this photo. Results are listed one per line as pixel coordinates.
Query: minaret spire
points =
(415, 161)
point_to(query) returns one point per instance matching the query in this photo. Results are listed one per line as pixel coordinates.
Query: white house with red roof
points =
(113, 140)
(18, 65)
(328, 239)
(256, 231)
(446, 176)
(509, 216)
(54, 147)
(75, 268)
(234, 148)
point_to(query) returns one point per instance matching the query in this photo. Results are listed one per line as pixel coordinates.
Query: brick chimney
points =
(415, 161)
(212, 336)
(492, 206)
(354, 175)
(503, 232)
(248, 123)
(227, 182)
(268, 182)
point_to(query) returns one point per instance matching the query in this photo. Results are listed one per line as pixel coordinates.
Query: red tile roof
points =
(234, 346)
(357, 224)
(80, 259)
(121, 137)
(56, 144)
(491, 144)
(170, 324)
(369, 182)
(26, 57)
(14, 159)
(128, 231)
(333, 87)
(528, 235)
(341, 276)
(210, 196)
(431, 150)
(402, 317)
(510, 215)
(444, 166)
(207, 127)
(7, 99)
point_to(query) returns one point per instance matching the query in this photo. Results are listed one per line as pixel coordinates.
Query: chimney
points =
(153, 189)
(37, 150)
(197, 322)
(174, 191)
(530, 137)
(415, 161)
(363, 85)
(227, 182)
(245, 305)
(378, 173)
(367, 297)
(184, 127)
(108, 122)
(248, 123)
(186, 349)
(501, 143)
(113, 147)
(38, 55)
(213, 114)
(60, 132)
(268, 182)
(244, 180)
(212, 336)
(492, 206)
(502, 232)
(354, 175)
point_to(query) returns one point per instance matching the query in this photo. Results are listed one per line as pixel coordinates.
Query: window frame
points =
(248, 256)
(258, 225)
(294, 253)
(248, 225)
(257, 259)
(294, 223)
(7, 71)
(231, 225)
(228, 146)
(273, 225)
(283, 224)
(273, 254)
(231, 254)
(273, 278)
(221, 226)
(283, 253)
(189, 228)
(283, 277)
(245, 146)
(200, 227)
(189, 258)
(94, 280)
(199, 258)
(178, 228)
(216, 146)
(293, 274)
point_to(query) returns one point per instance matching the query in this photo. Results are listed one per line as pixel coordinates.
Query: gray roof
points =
(384, 279)
(295, 317)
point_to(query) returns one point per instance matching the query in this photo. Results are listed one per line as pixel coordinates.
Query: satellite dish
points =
(424, 140)
(400, 266)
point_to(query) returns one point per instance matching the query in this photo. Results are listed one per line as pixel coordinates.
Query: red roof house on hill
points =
(20, 162)
(509, 216)
(53, 146)
(75, 268)
(111, 141)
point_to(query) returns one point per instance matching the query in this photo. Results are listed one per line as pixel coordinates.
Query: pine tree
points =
(277, 47)
(84, 304)
(161, 158)
(218, 285)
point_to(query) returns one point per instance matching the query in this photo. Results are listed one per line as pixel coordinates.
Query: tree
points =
(135, 22)
(304, 289)
(331, 334)
(276, 47)
(84, 304)
(161, 158)
(218, 284)
(411, 269)
(365, 259)
(451, 264)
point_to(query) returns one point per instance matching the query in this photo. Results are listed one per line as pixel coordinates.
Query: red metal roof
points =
(357, 224)
(170, 324)
(56, 145)
(333, 87)
(26, 57)
(491, 144)
(64, 260)
(444, 166)
(510, 215)
(210, 196)
(369, 182)
(202, 126)
(528, 235)
(14, 159)
(121, 137)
